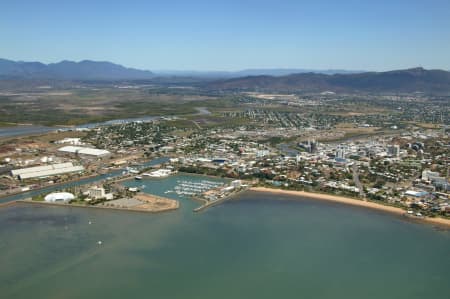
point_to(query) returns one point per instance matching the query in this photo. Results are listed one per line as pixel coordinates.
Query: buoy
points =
(99, 242)
(90, 222)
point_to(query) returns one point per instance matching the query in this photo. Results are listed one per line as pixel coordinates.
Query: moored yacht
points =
(160, 173)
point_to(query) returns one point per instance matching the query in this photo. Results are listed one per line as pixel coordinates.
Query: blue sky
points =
(230, 35)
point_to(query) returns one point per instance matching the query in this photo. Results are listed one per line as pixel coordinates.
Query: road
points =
(357, 181)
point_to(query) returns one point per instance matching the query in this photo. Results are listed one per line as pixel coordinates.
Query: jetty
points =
(210, 203)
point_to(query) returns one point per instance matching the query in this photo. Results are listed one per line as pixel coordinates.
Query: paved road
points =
(357, 181)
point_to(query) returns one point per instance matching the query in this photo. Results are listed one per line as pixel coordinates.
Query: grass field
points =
(96, 103)
(71, 107)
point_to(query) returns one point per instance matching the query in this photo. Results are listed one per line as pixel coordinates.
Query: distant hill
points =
(69, 70)
(249, 72)
(279, 80)
(285, 72)
(409, 80)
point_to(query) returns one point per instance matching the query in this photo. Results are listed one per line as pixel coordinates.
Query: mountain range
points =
(409, 80)
(250, 72)
(69, 70)
(281, 80)
(102, 70)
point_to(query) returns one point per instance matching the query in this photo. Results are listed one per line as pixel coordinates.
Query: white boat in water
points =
(194, 188)
(132, 170)
(160, 173)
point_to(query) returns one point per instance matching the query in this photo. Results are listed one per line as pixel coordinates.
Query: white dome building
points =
(59, 197)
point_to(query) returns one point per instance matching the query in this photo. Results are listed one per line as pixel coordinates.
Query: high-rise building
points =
(312, 146)
(340, 152)
(393, 150)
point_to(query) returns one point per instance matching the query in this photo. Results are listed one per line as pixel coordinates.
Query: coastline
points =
(354, 202)
(207, 204)
(55, 184)
(111, 208)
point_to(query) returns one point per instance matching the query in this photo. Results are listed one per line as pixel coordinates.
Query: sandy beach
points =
(355, 202)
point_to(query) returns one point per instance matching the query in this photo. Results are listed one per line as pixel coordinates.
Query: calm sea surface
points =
(258, 246)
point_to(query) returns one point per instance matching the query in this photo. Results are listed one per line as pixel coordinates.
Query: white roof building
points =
(59, 197)
(414, 193)
(46, 171)
(72, 141)
(84, 151)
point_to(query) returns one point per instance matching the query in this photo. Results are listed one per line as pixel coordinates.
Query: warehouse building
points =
(84, 151)
(45, 171)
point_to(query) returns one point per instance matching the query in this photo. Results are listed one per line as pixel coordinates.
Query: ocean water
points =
(256, 246)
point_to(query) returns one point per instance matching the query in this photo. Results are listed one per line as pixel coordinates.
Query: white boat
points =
(132, 170)
(138, 177)
(160, 173)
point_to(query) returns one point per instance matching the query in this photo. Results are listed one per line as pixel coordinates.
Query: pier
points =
(219, 201)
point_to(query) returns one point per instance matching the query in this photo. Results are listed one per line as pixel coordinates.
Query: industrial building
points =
(45, 171)
(84, 151)
(415, 194)
(71, 141)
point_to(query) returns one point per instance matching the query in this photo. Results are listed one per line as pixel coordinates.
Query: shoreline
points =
(207, 204)
(354, 202)
(59, 184)
(42, 203)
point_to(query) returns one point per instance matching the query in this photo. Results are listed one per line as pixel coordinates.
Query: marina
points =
(179, 188)
(186, 188)
(190, 188)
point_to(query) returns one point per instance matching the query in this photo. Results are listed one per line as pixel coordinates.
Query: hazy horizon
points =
(223, 70)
